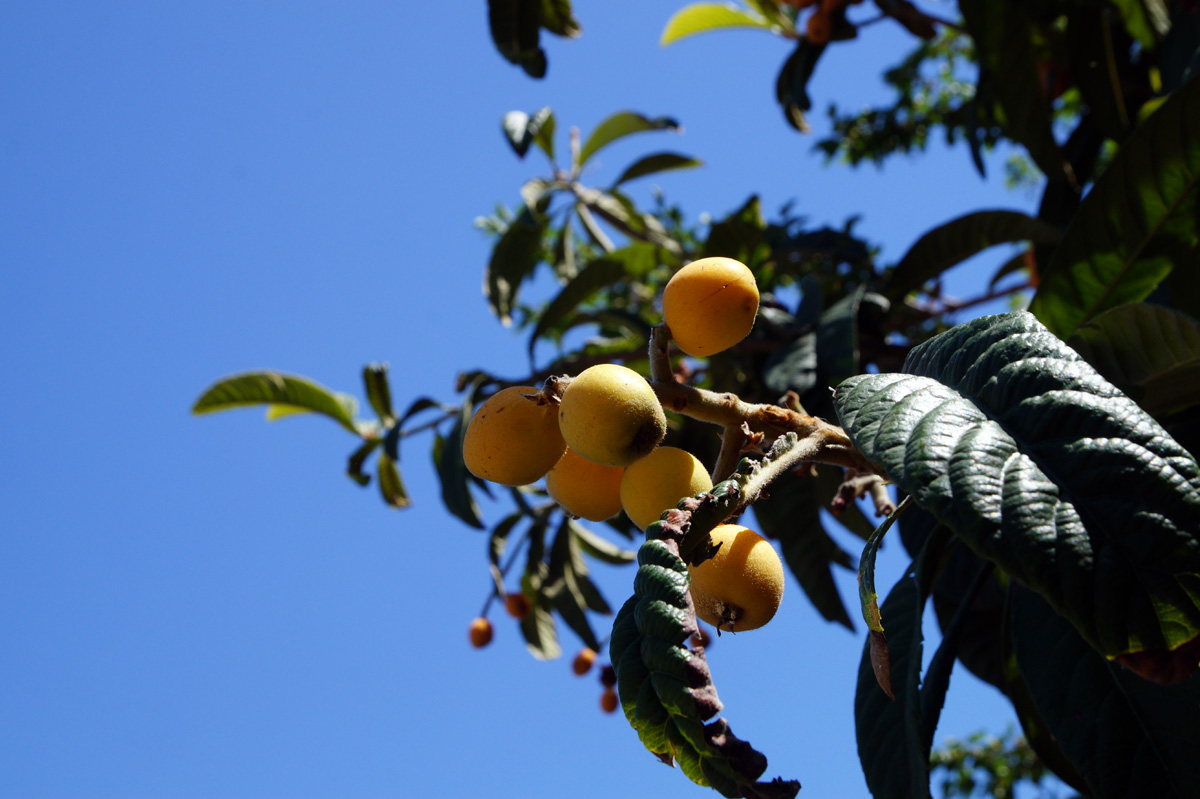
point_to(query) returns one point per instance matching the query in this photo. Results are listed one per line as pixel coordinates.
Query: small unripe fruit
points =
(585, 488)
(740, 587)
(583, 661)
(512, 439)
(819, 27)
(658, 481)
(517, 605)
(710, 305)
(608, 675)
(480, 632)
(608, 700)
(609, 414)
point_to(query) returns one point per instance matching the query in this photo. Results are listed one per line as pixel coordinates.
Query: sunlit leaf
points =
(286, 392)
(702, 17)
(391, 487)
(619, 125)
(657, 162)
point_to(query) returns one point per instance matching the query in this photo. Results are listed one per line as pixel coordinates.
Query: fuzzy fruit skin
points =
(512, 440)
(745, 577)
(480, 632)
(710, 305)
(583, 662)
(608, 700)
(658, 481)
(584, 488)
(609, 414)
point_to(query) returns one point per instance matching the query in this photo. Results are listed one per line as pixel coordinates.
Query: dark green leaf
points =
(812, 300)
(657, 162)
(1011, 266)
(447, 458)
(499, 537)
(513, 259)
(558, 18)
(354, 466)
(564, 252)
(957, 240)
(1149, 352)
(1012, 440)
(792, 367)
(601, 548)
(391, 487)
(379, 393)
(837, 339)
(791, 514)
(418, 405)
(277, 391)
(880, 721)
(599, 274)
(702, 17)
(791, 85)
(514, 27)
(1004, 43)
(1126, 736)
(1143, 19)
(540, 638)
(980, 644)
(740, 235)
(1139, 220)
(619, 125)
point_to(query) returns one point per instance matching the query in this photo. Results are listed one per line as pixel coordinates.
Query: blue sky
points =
(194, 607)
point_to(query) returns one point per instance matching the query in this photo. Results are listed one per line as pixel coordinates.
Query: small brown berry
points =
(608, 675)
(819, 27)
(608, 700)
(480, 632)
(517, 605)
(701, 639)
(583, 662)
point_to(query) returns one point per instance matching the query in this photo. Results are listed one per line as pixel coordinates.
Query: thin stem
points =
(733, 441)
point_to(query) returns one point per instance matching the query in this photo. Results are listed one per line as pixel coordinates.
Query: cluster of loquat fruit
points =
(597, 443)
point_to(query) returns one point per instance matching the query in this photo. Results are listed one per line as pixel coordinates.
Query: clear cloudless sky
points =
(202, 607)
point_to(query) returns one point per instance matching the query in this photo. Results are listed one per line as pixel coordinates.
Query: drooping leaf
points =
(541, 639)
(740, 235)
(1125, 736)
(1008, 437)
(1139, 220)
(619, 125)
(559, 19)
(297, 394)
(791, 85)
(448, 460)
(358, 458)
(793, 367)
(701, 17)
(1151, 353)
(837, 339)
(1013, 265)
(791, 515)
(656, 162)
(498, 540)
(565, 593)
(980, 645)
(1003, 39)
(514, 26)
(957, 240)
(513, 259)
(391, 487)
(880, 720)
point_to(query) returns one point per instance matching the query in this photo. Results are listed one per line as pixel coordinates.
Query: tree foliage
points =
(1048, 455)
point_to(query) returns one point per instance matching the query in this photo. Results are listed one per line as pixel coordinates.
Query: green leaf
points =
(1003, 39)
(879, 720)
(514, 26)
(498, 540)
(1151, 353)
(793, 366)
(791, 85)
(540, 637)
(837, 339)
(513, 259)
(702, 17)
(657, 162)
(791, 514)
(619, 125)
(599, 274)
(379, 393)
(522, 130)
(295, 394)
(354, 465)
(447, 458)
(391, 487)
(741, 235)
(1125, 736)
(957, 240)
(1139, 220)
(558, 18)
(1143, 19)
(1008, 437)
(601, 548)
